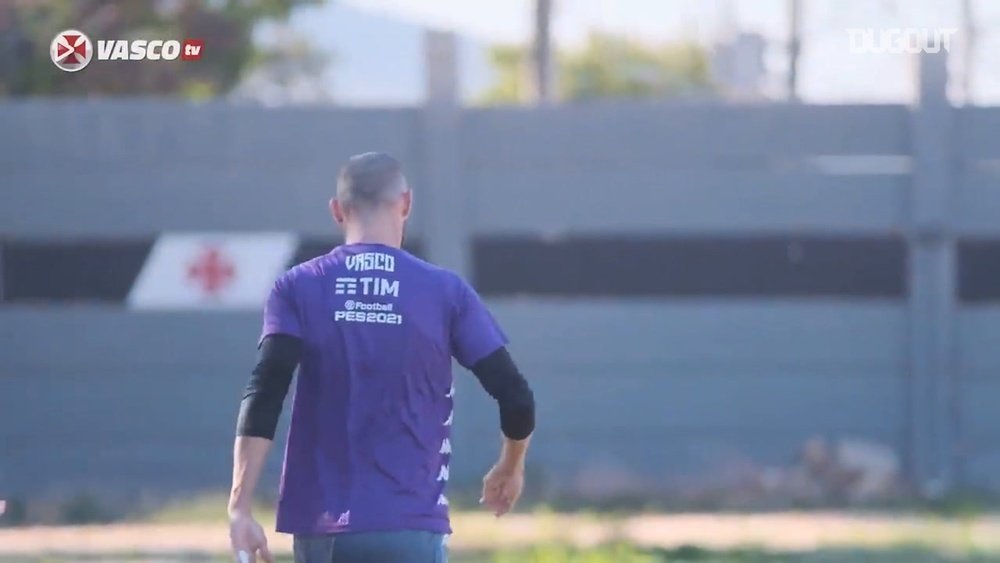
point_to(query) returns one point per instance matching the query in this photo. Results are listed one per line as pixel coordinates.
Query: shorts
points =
(404, 546)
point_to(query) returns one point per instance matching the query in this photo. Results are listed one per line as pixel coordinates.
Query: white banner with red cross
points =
(211, 271)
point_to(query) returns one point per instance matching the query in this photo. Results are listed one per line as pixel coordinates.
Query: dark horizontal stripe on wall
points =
(979, 270)
(104, 270)
(310, 248)
(71, 271)
(772, 266)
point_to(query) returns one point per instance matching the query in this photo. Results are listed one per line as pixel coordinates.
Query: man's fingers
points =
(499, 496)
(265, 553)
(489, 491)
(503, 508)
(499, 505)
(510, 496)
(500, 493)
(491, 498)
(243, 554)
(504, 491)
(260, 544)
(506, 500)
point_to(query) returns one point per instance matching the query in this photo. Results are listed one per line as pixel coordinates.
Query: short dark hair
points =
(370, 179)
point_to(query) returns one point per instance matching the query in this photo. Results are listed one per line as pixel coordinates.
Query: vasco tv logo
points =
(72, 50)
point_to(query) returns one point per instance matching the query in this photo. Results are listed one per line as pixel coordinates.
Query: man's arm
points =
(278, 356)
(479, 344)
(255, 427)
(500, 378)
(514, 452)
(504, 482)
(249, 454)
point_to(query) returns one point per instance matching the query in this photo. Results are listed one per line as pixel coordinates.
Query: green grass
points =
(625, 554)
(207, 508)
(924, 548)
(943, 535)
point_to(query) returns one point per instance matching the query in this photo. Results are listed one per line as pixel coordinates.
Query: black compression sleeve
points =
(502, 380)
(269, 382)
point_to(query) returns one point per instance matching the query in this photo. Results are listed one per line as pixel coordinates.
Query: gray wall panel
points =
(690, 387)
(978, 201)
(978, 398)
(736, 331)
(644, 135)
(977, 129)
(983, 468)
(979, 342)
(157, 392)
(618, 200)
(145, 167)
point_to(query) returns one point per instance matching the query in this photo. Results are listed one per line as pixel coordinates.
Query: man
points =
(372, 330)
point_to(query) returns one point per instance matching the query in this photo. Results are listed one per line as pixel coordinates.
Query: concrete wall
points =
(97, 397)
(668, 389)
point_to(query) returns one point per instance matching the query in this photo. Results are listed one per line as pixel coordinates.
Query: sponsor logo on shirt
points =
(371, 261)
(369, 317)
(379, 287)
(351, 305)
(372, 286)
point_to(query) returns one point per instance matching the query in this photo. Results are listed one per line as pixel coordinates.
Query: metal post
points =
(446, 226)
(543, 51)
(794, 48)
(932, 274)
(968, 51)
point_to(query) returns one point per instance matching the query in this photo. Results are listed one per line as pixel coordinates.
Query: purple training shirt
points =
(369, 443)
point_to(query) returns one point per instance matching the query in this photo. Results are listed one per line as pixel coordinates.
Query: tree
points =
(608, 66)
(28, 26)
(510, 63)
(289, 71)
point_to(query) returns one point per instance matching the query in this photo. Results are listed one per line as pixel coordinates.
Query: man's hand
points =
(502, 487)
(246, 535)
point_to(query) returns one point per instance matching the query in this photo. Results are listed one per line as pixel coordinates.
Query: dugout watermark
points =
(899, 40)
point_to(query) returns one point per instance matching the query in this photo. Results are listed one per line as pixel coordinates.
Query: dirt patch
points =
(790, 531)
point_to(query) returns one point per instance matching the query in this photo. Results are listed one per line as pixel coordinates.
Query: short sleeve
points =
(475, 334)
(280, 312)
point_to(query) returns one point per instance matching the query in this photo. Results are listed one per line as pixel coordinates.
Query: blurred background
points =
(747, 252)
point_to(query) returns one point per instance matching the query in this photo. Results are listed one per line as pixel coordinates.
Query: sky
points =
(829, 72)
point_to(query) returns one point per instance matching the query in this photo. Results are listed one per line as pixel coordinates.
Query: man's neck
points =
(373, 236)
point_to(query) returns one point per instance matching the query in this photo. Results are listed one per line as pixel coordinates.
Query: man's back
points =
(372, 330)
(369, 443)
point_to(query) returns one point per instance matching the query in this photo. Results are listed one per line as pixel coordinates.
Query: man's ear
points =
(337, 210)
(407, 203)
